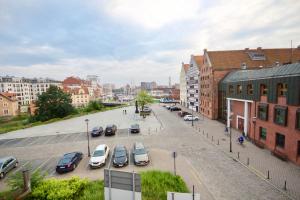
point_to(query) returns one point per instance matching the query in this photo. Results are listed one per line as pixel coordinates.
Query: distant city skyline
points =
(132, 41)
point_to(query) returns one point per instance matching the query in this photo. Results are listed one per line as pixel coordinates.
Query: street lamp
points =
(226, 130)
(88, 136)
(192, 115)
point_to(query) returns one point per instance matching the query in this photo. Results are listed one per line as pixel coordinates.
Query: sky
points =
(129, 41)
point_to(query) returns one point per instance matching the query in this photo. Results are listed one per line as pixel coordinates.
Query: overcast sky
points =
(125, 41)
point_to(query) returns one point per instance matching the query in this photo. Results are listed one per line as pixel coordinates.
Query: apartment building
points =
(217, 64)
(192, 82)
(8, 104)
(26, 90)
(264, 104)
(80, 96)
(183, 85)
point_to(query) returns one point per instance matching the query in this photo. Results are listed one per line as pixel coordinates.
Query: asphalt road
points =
(214, 174)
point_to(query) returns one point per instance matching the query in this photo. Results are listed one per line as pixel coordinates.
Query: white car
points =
(99, 156)
(190, 118)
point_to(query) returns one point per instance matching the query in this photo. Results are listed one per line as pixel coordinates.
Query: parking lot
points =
(199, 162)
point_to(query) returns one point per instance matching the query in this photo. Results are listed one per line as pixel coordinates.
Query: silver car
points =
(7, 164)
(140, 154)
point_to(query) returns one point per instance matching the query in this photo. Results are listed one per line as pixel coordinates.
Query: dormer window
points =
(281, 89)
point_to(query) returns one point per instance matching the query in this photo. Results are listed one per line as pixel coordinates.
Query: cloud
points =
(152, 14)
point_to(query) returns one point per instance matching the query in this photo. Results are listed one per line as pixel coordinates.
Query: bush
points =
(93, 105)
(15, 181)
(94, 190)
(53, 189)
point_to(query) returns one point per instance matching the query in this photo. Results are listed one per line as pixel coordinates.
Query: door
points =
(241, 124)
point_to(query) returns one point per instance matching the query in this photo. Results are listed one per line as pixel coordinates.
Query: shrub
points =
(93, 105)
(53, 189)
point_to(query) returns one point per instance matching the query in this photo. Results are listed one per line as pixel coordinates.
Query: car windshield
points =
(120, 153)
(95, 129)
(98, 153)
(64, 161)
(135, 126)
(140, 151)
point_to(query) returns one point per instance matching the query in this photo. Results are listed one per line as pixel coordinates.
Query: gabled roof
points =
(8, 96)
(265, 73)
(75, 91)
(186, 67)
(234, 58)
(198, 60)
(72, 81)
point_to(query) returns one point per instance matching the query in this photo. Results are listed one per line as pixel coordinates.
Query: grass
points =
(21, 122)
(93, 191)
(7, 195)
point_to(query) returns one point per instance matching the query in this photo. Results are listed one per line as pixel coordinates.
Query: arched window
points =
(250, 89)
(281, 89)
(230, 89)
(263, 90)
(239, 89)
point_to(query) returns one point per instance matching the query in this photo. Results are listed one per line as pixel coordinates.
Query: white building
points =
(26, 90)
(183, 85)
(193, 82)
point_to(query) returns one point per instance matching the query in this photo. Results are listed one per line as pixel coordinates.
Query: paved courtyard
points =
(201, 162)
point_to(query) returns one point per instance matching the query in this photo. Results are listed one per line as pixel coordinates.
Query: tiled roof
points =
(265, 73)
(75, 91)
(234, 58)
(198, 60)
(72, 81)
(9, 96)
(186, 67)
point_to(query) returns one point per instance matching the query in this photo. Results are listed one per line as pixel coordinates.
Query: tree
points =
(143, 98)
(53, 103)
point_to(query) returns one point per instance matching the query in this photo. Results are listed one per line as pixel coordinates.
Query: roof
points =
(186, 67)
(234, 58)
(198, 60)
(72, 81)
(75, 91)
(8, 96)
(265, 73)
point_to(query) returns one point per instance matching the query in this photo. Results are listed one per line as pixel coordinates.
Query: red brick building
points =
(264, 104)
(217, 64)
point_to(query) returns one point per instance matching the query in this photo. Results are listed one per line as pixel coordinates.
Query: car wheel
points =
(2, 175)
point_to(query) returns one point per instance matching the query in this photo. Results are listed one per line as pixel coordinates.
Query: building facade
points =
(264, 104)
(8, 104)
(80, 96)
(148, 86)
(183, 85)
(192, 82)
(217, 64)
(26, 90)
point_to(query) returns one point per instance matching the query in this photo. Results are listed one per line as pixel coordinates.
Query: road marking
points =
(41, 165)
(9, 140)
(76, 137)
(21, 167)
(110, 157)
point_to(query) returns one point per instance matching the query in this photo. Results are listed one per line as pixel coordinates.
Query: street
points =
(200, 162)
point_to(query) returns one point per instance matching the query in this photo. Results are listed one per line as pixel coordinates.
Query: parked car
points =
(99, 156)
(69, 162)
(97, 131)
(175, 108)
(110, 129)
(7, 164)
(168, 107)
(146, 109)
(190, 118)
(183, 113)
(120, 156)
(140, 154)
(134, 128)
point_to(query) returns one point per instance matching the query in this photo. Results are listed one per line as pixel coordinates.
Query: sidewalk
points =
(259, 161)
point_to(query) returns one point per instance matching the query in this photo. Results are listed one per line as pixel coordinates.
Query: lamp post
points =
(88, 136)
(192, 115)
(226, 130)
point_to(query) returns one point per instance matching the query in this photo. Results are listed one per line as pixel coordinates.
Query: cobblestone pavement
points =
(256, 159)
(200, 162)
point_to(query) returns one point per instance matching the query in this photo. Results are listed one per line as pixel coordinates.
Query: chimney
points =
(259, 48)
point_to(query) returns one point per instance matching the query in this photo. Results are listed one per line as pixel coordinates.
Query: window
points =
(263, 111)
(5, 112)
(298, 119)
(250, 89)
(263, 90)
(280, 140)
(298, 152)
(280, 115)
(281, 89)
(262, 133)
(230, 90)
(239, 89)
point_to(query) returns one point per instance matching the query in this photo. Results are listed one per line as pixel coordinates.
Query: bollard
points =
(268, 174)
(248, 161)
(238, 155)
(199, 129)
(207, 135)
(284, 187)
(203, 132)
(218, 142)
(212, 138)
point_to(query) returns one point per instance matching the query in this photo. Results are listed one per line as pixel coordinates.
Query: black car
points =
(135, 128)
(183, 113)
(69, 162)
(174, 108)
(120, 156)
(97, 131)
(110, 130)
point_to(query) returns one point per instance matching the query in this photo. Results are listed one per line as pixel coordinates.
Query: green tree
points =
(94, 105)
(53, 103)
(144, 98)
